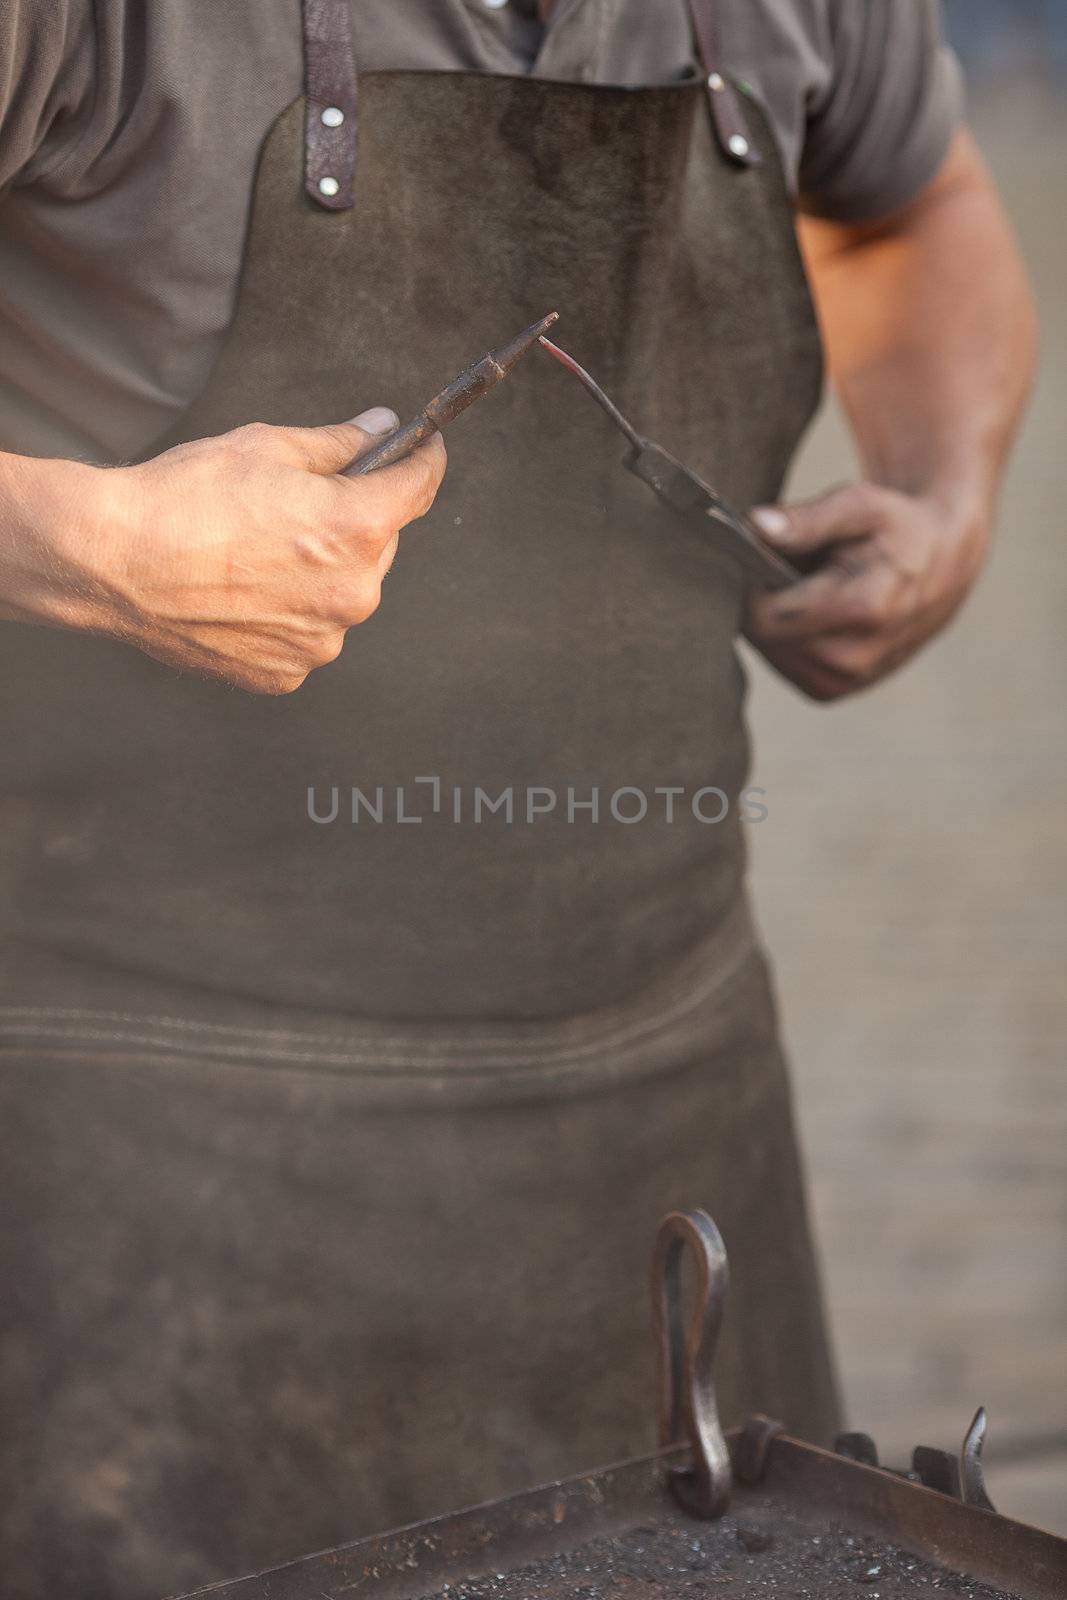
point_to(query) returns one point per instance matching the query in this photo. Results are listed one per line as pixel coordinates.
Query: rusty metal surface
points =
(456, 397)
(960, 1476)
(817, 1523)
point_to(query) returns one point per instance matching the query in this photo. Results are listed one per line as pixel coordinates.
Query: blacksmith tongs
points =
(686, 493)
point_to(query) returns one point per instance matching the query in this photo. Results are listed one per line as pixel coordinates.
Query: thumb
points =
(808, 525)
(332, 448)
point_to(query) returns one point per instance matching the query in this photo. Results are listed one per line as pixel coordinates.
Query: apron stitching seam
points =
(631, 1033)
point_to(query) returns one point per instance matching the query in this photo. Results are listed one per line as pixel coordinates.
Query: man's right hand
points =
(244, 557)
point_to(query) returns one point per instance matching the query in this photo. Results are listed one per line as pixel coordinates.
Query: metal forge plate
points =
(817, 1527)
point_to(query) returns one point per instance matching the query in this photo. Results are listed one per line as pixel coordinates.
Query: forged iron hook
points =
(688, 1413)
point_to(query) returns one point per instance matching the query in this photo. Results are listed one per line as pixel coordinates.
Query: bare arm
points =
(930, 333)
(245, 557)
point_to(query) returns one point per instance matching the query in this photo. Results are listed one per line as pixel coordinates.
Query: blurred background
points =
(912, 880)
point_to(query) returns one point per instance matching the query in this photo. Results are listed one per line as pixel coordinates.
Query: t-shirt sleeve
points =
(893, 100)
(47, 69)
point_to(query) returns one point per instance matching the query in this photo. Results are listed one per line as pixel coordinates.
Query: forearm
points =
(930, 334)
(53, 522)
(245, 557)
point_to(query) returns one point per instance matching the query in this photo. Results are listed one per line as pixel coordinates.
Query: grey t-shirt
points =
(129, 132)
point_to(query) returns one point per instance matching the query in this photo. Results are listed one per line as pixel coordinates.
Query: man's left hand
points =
(884, 572)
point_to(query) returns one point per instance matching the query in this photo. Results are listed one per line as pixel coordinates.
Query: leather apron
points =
(333, 1152)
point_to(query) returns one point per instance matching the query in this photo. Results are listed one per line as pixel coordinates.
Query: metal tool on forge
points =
(750, 1512)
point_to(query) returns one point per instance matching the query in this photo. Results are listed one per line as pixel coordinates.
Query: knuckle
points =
(327, 648)
(283, 683)
(811, 684)
(816, 680)
(272, 683)
(382, 531)
(424, 499)
(805, 673)
(849, 660)
(370, 601)
(823, 691)
(250, 436)
(873, 611)
(378, 534)
(362, 599)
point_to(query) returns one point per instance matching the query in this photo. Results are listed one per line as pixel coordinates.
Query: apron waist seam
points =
(706, 978)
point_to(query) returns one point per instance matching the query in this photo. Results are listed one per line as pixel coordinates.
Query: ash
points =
(759, 1552)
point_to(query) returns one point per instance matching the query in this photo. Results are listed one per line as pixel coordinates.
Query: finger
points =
(381, 503)
(809, 525)
(332, 448)
(803, 668)
(851, 657)
(853, 597)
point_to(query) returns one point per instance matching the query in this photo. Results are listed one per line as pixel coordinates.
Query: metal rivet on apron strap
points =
(331, 131)
(727, 114)
(331, 86)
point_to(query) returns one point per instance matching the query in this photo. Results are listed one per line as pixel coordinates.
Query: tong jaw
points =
(687, 494)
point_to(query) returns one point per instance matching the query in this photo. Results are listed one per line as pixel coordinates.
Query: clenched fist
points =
(885, 572)
(244, 557)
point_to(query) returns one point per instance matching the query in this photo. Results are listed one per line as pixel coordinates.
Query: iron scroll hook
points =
(688, 1413)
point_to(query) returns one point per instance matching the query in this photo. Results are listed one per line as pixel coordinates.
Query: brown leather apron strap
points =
(727, 115)
(332, 130)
